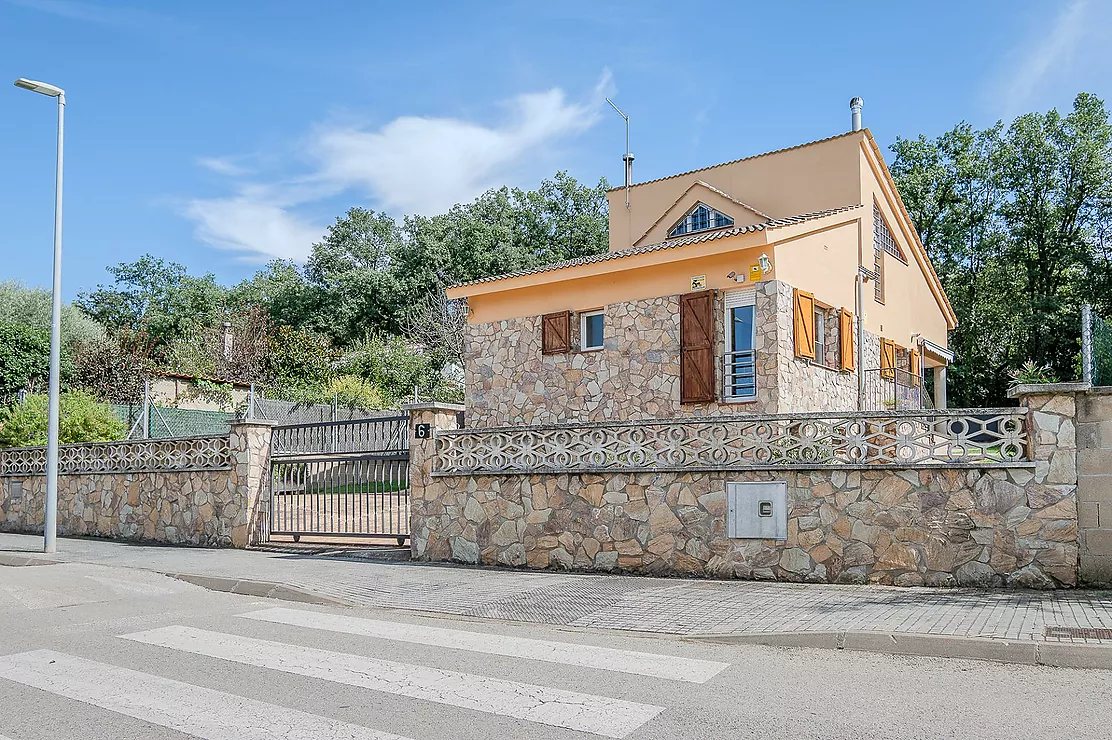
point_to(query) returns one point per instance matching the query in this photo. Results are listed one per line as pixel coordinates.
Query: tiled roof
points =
(735, 161)
(705, 236)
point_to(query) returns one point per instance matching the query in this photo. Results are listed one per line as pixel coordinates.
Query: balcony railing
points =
(890, 389)
(740, 376)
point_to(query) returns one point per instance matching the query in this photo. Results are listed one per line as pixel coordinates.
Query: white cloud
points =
(411, 165)
(222, 166)
(1040, 60)
(252, 226)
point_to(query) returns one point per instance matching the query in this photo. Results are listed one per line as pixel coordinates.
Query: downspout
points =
(855, 105)
(860, 364)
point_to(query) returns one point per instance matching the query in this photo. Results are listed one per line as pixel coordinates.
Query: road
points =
(94, 651)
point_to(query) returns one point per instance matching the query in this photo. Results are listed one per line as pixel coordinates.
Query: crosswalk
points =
(203, 712)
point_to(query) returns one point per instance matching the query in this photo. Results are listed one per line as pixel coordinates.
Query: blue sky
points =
(223, 134)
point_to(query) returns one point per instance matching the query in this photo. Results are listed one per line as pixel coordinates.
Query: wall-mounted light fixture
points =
(765, 263)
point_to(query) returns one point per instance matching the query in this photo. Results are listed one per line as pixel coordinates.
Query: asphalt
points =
(92, 612)
(1016, 627)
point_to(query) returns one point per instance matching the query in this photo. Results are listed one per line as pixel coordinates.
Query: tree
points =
(351, 278)
(1014, 220)
(24, 359)
(31, 307)
(111, 371)
(154, 297)
(80, 419)
(281, 289)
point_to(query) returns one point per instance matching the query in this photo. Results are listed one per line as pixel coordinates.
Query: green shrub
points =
(81, 419)
(1032, 374)
(24, 358)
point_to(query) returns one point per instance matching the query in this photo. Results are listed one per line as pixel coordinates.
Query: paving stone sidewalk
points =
(672, 606)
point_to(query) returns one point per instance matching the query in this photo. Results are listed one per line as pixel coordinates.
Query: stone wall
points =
(636, 375)
(804, 386)
(1094, 485)
(987, 526)
(222, 504)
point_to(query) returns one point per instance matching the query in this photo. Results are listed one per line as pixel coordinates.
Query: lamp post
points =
(50, 516)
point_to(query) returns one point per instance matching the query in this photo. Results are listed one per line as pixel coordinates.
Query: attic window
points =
(882, 237)
(701, 218)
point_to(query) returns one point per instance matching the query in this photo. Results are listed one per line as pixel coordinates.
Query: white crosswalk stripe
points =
(556, 707)
(587, 656)
(195, 710)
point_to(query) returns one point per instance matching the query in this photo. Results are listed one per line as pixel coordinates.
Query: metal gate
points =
(341, 479)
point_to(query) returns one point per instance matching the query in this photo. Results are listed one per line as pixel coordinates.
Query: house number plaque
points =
(422, 431)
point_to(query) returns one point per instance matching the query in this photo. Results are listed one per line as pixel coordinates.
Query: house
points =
(785, 282)
(188, 392)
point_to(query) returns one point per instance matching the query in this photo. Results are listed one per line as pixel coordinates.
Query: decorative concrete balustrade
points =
(985, 438)
(135, 456)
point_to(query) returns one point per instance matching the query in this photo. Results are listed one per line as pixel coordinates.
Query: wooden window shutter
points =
(887, 358)
(556, 333)
(697, 347)
(845, 340)
(804, 324)
(913, 361)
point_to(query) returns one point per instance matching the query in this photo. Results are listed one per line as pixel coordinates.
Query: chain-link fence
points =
(1096, 348)
(147, 420)
(157, 422)
(1102, 351)
(291, 412)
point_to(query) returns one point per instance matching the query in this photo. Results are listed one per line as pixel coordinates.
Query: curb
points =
(19, 561)
(1021, 652)
(264, 589)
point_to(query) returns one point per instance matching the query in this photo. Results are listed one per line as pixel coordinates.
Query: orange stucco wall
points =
(910, 307)
(823, 263)
(594, 291)
(806, 179)
(741, 215)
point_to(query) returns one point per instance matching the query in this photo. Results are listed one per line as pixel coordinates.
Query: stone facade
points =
(213, 507)
(636, 375)
(988, 526)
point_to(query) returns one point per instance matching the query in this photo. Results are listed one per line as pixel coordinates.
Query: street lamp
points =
(50, 516)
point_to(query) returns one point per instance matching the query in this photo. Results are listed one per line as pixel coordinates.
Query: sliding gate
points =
(341, 479)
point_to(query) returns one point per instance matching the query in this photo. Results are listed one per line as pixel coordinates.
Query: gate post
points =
(250, 443)
(422, 451)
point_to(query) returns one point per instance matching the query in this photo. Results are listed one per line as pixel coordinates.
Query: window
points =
(590, 330)
(882, 236)
(883, 243)
(820, 336)
(701, 218)
(741, 341)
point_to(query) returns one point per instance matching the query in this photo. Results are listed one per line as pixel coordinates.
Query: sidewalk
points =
(742, 610)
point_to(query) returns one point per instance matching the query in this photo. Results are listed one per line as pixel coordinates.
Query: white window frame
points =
(583, 315)
(731, 300)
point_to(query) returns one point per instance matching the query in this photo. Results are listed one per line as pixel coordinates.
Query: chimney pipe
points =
(628, 159)
(855, 105)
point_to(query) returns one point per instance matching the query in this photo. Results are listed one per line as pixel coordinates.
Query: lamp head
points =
(765, 263)
(42, 88)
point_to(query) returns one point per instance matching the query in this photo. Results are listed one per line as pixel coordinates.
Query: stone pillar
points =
(1052, 439)
(423, 491)
(939, 386)
(250, 443)
(1094, 485)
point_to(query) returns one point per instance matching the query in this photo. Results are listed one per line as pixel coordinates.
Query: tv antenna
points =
(628, 158)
